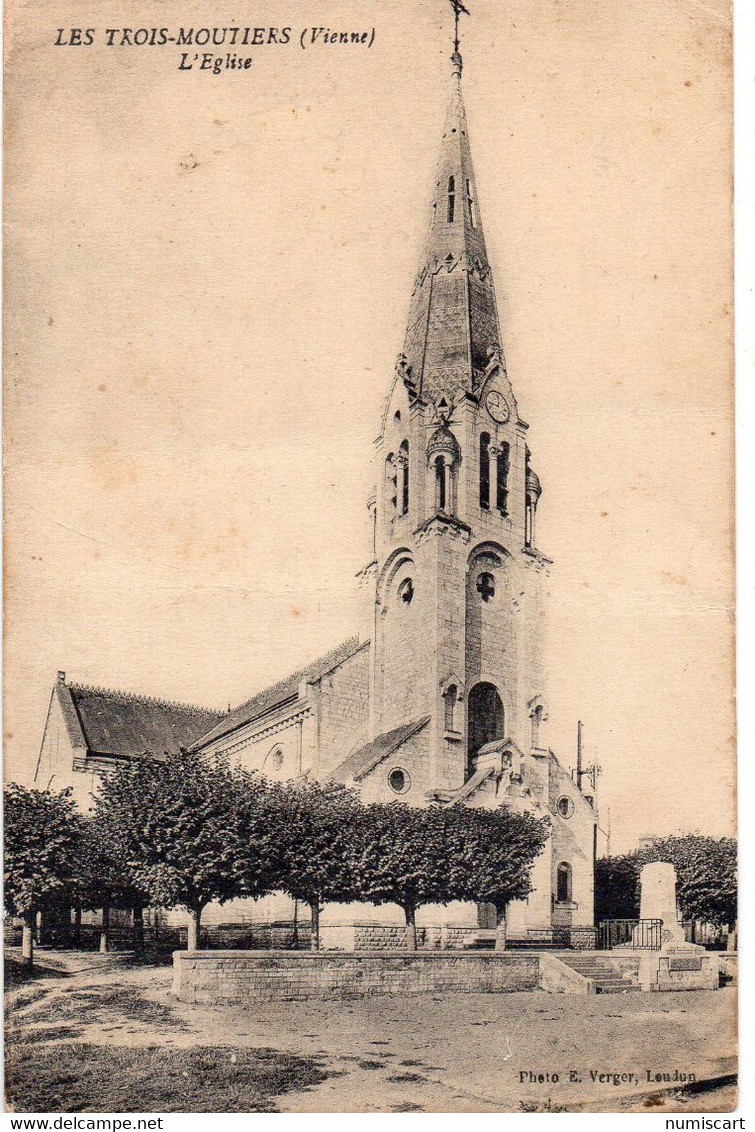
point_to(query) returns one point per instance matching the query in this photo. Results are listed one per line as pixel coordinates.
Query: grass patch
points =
(102, 1005)
(405, 1078)
(24, 999)
(48, 1034)
(16, 974)
(90, 1078)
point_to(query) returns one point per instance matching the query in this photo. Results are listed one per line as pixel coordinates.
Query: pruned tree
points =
(706, 872)
(617, 892)
(189, 830)
(42, 831)
(412, 857)
(102, 879)
(401, 855)
(494, 852)
(315, 826)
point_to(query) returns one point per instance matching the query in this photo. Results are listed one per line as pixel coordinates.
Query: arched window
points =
(404, 468)
(391, 483)
(451, 199)
(449, 711)
(533, 491)
(440, 483)
(485, 470)
(529, 517)
(563, 883)
(502, 478)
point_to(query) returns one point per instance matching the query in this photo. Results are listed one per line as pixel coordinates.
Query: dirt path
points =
(462, 1053)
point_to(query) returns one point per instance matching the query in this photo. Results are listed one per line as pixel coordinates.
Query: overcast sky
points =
(209, 281)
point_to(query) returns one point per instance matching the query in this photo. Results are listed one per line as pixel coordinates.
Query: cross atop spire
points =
(458, 8)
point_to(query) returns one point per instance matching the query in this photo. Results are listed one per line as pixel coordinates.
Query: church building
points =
(440, 698)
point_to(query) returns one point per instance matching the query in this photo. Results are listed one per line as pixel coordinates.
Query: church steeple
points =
(453, 327)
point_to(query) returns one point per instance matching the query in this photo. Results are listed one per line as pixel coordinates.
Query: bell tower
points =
(457, 623)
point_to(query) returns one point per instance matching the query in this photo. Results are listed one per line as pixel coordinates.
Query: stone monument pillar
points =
(677, 965)
(658, 899)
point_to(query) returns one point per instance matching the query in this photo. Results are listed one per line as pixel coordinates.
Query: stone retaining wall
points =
(266, 976)
(582, 939)
(392, 937)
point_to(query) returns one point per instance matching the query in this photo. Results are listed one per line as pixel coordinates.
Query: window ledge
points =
(569, 905)
(454, 736)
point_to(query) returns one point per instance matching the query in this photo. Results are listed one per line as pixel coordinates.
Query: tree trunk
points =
(39, 925)
(195, 928)
(500, 928)
(77, 927)
(731, 938)
(315, 906)
(27, 940)
(105, 929)
(138, 929)
(411, 927)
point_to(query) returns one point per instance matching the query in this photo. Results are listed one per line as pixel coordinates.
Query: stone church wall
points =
(343, 706)
(56, 769)
(274, 751)
(413, 757)
(572, 842)
(404, 630)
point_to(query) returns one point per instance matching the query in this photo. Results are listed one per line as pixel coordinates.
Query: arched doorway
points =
(485, 722)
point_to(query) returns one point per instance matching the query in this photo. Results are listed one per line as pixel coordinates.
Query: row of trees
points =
(706, 876)
(189, 830)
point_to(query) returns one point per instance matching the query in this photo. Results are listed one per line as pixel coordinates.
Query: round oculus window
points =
(565, 807)
(406, 591)
(486, 586)
(399, 781)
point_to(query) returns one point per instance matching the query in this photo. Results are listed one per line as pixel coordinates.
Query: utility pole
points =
(591, 771)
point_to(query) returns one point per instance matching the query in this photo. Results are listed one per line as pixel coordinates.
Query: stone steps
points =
(606, 980)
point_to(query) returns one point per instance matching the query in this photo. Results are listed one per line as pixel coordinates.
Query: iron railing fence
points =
(643, 935)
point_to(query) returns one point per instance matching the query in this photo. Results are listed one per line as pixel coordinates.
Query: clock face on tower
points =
(497, 406)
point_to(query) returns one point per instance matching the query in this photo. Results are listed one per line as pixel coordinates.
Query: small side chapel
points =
(441, 697)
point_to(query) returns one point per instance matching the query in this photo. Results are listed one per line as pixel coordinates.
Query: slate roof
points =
(277, 694)
(121, 724)
(366, 758)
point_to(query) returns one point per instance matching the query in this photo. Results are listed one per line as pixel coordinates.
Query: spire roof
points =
(453, 321)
